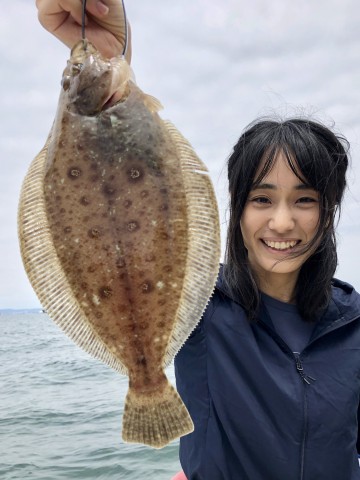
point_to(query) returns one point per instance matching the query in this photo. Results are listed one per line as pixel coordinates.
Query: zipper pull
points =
(300, 369)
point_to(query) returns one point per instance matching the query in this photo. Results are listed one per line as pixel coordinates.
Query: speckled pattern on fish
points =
(119, 233)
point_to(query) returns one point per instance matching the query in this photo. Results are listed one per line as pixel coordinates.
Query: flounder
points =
(119, 235)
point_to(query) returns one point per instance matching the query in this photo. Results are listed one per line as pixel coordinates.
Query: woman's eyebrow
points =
(263, 186)
(271, 186)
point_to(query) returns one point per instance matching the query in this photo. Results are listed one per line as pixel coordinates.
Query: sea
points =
(61, 410)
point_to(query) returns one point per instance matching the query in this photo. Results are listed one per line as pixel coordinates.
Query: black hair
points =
(318, 156)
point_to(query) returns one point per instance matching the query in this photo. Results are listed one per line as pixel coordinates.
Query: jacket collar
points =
(344, 306)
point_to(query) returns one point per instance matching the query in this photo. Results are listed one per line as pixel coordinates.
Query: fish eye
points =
(76, 68)
(65, 82)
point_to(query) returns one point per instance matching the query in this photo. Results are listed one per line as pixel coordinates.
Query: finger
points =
(97, 8)
(114, 21)
(52, 14)
(73, 7)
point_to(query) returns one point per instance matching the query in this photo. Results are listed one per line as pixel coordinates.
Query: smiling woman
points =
(292, 178)
(255, 373)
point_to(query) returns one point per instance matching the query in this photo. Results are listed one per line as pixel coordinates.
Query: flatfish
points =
(119, 235)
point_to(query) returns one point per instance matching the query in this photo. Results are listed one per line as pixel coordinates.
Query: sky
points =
(215, 66)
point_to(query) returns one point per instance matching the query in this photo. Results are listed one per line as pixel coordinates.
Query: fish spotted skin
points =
(117, 221)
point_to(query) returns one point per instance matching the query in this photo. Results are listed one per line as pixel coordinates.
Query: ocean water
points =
(61, 411)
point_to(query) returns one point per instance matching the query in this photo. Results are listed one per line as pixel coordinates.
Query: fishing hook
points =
(126, 26)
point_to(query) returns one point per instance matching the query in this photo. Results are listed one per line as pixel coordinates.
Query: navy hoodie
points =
(262, 413)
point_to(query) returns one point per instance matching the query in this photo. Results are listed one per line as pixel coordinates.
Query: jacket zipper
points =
(307, 380)
(304, 436)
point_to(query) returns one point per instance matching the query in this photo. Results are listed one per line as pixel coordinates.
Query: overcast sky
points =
(215, 66)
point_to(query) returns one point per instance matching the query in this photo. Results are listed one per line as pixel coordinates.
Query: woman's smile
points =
(280, 245)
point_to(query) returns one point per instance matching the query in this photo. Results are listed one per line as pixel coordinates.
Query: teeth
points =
(280, 245)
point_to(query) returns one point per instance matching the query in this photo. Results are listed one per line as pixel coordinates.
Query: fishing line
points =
(83, 24)
(126, 26)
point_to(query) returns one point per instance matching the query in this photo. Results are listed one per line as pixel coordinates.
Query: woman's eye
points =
(307, 200)
(261, 200)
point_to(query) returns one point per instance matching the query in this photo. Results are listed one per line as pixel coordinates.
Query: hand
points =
(105, 25)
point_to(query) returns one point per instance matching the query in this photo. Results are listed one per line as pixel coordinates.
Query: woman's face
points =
(280, 218)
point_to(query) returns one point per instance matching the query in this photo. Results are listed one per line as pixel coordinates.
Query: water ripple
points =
(61, 410)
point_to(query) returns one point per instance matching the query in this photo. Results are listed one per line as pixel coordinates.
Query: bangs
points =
(306, 156)
(269, 160)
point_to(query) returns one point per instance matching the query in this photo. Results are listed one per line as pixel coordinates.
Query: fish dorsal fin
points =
(203, 255)
(152, 103)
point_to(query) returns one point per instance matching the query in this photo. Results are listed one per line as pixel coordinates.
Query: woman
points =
(271, 374)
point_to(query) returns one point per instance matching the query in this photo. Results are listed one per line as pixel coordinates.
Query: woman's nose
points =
(282, 219)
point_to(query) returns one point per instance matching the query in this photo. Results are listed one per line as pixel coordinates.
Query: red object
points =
(179, 476)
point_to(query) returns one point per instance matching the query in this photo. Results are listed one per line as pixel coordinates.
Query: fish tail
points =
(155, 420)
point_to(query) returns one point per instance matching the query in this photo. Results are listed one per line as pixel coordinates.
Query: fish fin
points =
(155, 420)
(44, 269)
(152, 103)
(202, 264)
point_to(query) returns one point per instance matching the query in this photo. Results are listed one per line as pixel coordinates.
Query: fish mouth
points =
(118, 89)
(110, 102)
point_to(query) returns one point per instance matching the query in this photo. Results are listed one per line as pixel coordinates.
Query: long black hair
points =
(321, 158)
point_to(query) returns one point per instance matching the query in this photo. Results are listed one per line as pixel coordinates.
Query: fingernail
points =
(102, 8)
